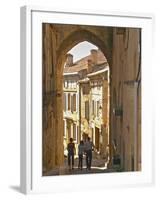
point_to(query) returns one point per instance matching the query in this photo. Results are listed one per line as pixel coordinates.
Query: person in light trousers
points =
(80, 154)
(88, 149)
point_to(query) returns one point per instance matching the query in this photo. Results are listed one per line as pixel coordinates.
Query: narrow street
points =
(98, 166)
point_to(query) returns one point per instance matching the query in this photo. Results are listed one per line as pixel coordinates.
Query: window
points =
(98, 108)
(78, 136)
(92, 135)
(65, 84)
(93, 104)
(74, 102)
(95, 108)
(74, 132)
(77, 102)
(69, 101)
(74, 84)
(64, 101)
(69, 84)
(85, 89)
(64, 125)
(87, 110)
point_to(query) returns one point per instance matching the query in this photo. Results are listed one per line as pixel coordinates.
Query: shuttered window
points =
(87, 110)
(69, 101)
(64, 101)
(74, 132)
(74, 102)
(93, 107)
(98, 108)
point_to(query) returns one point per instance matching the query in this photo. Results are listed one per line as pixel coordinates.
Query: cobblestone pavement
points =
(98, 166)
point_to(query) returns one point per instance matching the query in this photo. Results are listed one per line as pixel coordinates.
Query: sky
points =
(81, 50)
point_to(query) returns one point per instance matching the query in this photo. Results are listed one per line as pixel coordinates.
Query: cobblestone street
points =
(98, 166)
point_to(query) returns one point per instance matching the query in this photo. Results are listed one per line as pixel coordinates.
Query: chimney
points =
(89, 62)
(69, 60)
(94, 56)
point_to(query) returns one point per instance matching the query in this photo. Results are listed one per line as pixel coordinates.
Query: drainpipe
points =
(79, 110)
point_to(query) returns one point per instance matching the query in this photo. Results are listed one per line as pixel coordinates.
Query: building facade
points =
(86, 100)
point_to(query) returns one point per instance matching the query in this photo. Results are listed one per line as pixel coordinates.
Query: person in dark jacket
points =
(71, 152)
(88, 149)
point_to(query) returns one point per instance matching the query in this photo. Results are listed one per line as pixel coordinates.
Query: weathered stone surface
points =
(125, 94)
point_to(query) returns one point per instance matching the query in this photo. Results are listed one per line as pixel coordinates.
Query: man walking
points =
(88, 149)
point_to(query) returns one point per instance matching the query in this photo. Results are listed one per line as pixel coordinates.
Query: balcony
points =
(69, 115)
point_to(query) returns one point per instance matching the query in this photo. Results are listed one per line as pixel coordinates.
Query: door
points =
(97, 138)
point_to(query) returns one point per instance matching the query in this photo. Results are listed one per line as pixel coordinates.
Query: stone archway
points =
(54, 55)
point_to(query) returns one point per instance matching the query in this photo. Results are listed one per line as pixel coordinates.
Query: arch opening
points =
(80, 36)
(86, 101)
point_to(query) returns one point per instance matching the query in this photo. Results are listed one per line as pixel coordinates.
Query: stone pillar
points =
(52, 103)
(49, 59)
(58, 80)
(59, 132)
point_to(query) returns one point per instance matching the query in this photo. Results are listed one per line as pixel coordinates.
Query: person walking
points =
(80, 154)
(88, 149)
(71, 152)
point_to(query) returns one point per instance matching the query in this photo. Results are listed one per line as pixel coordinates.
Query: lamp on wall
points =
(118, 111)
(100, 111)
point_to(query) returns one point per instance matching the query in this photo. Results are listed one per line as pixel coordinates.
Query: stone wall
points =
(125, 96)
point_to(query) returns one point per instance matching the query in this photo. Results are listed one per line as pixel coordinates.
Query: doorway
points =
(97, 138)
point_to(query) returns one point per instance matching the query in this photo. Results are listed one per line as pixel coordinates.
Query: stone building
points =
(122, 48)
(99, 104)
(71, 101)
(85, 85)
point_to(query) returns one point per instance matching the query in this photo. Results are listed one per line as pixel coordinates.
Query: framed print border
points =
(32, 180)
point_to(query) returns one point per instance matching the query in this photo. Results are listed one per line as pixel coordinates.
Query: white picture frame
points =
(31, 104)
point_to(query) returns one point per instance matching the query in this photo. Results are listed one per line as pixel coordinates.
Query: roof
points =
(98, 72)
(74, 68)
(82, 64)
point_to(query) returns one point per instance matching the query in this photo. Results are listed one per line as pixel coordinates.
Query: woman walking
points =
(80, 154)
